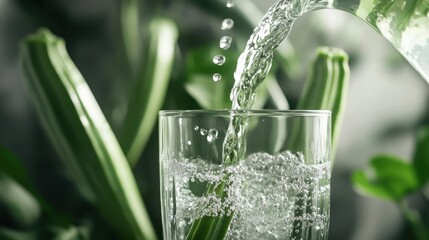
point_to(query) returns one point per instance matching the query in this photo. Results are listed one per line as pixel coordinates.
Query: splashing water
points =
(254, 64)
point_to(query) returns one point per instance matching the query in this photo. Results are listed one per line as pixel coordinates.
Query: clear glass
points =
(280, 189)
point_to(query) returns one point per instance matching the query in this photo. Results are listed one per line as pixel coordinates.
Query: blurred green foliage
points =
(393, 179)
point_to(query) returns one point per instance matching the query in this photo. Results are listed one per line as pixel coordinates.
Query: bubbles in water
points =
(189, 142)
(227, 23)
(225, 42)
(212, 135)
(217, 77)
(196, 128)
(230, 4)
(270, 185)
(203, 131)
(219, 60)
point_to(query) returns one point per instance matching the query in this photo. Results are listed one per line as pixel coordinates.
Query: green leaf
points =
(17, 206)
(80, 133)
(49, 232)
(421, 156)
(276, 94)
(392, 179)
(149, 91)
(11, 234)
(130, 30)
(71, 233)
(364, 186)
(208, 94)
(12, 166)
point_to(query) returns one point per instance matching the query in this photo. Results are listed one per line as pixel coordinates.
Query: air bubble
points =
(212, 135)
(196, 128)
(189, 142)
(216, 77)
(203, 131)
(227, 23)
(225, 42)
(230, 4)
(219, 59)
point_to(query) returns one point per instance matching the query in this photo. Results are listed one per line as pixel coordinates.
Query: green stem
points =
(413, 217)
(209, 227)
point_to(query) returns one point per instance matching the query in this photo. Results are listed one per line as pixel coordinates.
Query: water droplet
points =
(219, 60)
(196, 128)
(217, 77)
(203, 131)
(225, 42)
(212, 135)
(227, 24)
(230, 4)
(189, 142)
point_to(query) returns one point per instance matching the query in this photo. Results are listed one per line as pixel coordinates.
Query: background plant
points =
(395, 180)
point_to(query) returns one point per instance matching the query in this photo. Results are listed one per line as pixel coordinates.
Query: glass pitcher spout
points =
(404, 23)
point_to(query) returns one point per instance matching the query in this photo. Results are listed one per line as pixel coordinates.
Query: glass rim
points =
(228, 113)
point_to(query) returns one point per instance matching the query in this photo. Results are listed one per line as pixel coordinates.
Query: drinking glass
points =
(279, 188)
